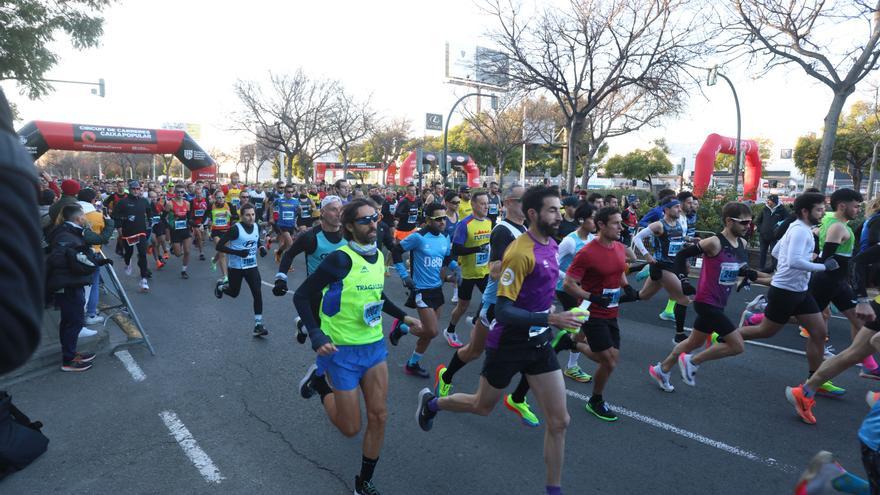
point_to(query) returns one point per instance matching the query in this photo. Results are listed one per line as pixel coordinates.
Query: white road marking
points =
(267, 284)
(768, 346)
(768, 461)
(137, 374)
(192, 450)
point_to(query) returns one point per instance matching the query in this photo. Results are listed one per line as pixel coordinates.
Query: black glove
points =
(600, 299)
(263, 251)
(280, 287)
(686, 287)
(748, 273)
(629, 295)
(744, 283)
(831, 264)
(409, 284)
(104, 261)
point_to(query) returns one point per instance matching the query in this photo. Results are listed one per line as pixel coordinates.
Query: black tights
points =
(252, 277)
(141, 255)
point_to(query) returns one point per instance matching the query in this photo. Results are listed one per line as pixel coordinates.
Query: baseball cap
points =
(134, 184)
(70, 187)
(632, 197)
(464, 189)
(570, 201)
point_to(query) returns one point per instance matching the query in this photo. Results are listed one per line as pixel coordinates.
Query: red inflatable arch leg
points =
(705, 164)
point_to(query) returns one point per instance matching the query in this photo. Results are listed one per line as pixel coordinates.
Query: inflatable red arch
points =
(463, 160)
(41, 136)
(705, 164)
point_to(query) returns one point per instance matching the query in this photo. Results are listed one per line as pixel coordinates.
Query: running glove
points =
(748, 273)
(686, 287)
(280, 287)
(409, 284)
(629, 295)
(263, 251)
(831, 265)
(600, 299)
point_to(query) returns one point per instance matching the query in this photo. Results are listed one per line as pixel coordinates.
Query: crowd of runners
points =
(551, 271)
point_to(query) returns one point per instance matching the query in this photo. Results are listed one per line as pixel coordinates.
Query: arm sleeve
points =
(796, 258)
(639, 240)
(334, 268)
(681, 258)
(507, 313)
(566, 247)
(498, 242)
(306, 242)
(229, 235)
(863, 264)
(392, 309)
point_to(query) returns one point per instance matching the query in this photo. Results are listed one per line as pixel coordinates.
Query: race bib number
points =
(258, 204)
(535, 331)
(220, 221)
(288, 215)
(133, 240)
(412, 218)
(392, 208)
(373, 313)
(154, 220)
(251, 260)
(199, 213)
(482, 259)
(179, 224)
(728, 273)
(305, 213)
(674, 248)
(493, 208)
(236, 202)
(615, 297)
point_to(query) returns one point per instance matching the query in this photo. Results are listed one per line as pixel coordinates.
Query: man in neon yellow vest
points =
(347, 334)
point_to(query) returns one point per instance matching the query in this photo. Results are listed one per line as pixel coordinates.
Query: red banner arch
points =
(704, 165)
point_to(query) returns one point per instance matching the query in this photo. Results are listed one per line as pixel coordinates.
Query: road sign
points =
(433, 122)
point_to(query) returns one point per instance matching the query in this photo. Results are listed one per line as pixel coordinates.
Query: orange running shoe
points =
(159, 264)
(277, 256)
(165, 256)
(803, 405)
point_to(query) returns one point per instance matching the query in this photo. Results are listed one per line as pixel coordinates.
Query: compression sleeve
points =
(566, 248)
(828, 250)
(863, 263)
(507, 313)
(460, 250)
(305, 243)
(639, 240)
(392, 309)
(681, 258)
(334, 268)
(229, 235)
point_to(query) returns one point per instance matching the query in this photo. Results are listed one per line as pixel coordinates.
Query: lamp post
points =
(710, 81)
(99, 90)
(444, 165)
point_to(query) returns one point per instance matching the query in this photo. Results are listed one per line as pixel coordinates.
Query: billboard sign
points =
(476, 66)
(433, 122)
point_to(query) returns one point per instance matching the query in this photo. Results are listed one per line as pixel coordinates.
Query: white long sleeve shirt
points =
(794, 252)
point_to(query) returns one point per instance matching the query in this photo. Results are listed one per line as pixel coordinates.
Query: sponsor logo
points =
(506, 277)
(364, 270)
(23, 140)
(188, 154)
(370, 286)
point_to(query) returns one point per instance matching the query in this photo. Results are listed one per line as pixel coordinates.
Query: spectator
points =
(771, 216)
(597, 200)
(98, 231)
(69, 189)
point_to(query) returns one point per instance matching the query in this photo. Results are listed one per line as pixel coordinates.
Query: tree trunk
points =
(288, 165)
(588, 163)
(500, 172)
(871, 173)
(829, 136)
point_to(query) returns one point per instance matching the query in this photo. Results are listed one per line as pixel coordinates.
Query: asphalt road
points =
(239, 416)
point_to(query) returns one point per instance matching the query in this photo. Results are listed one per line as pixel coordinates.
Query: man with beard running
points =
(348, 335)
(519, 341)
(134, 214)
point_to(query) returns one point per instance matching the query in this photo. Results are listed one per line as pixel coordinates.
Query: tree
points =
(349, 122)
(798, 33)
(641, 164)
(247, 155)
(290, 119)
(30, 27)
(590, 51)
(806, 154)
(385, 143)
(724, 162)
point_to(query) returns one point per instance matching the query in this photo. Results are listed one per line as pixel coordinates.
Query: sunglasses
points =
(439, 219)
(288, 192)
(179, 192)
(367, 220)
(455, 202)
(746, 222)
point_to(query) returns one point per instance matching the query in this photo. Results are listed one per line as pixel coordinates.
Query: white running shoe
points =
(830, 351)
(128, 269)
(454, 295)
(756, 305)
(452, 339)
(94, 320)
(144, 285)
(661, 378)
(688, 370)
(87, 332)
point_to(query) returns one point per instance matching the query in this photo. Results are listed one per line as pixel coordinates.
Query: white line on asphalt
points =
(768, 461)
(768, 346)
(267, 284)
(137, 374)
(192, 450)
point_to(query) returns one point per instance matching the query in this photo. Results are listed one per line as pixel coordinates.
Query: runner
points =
(198, 207)
(569, 224)
(571, 245)
(408, 211)
(287, 208)
(243, 241)
(110, 203)
(316, 243)
(725, 257)
(471, 244)
(221, 216)
(630, 219)
(347, 335)
(519, 341)
(689, 214)
(465, 208)
(306, 208)
(181, 236)
(159, 228)
(428, 247)
(669, 238)
(451, 201)
(134, 213)
(494, 202)
(598, 275)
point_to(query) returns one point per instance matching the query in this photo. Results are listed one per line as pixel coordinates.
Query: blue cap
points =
(632, 197)
(134, 183)
(670, 203)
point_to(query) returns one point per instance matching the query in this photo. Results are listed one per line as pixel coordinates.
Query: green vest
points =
(846, 248)
(351, 310)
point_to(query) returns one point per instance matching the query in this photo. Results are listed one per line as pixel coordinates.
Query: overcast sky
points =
(177, 61)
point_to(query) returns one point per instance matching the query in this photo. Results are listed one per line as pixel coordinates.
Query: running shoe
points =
(804, 333)
(829, 389)
(305, 385)
(666, 316)
(522, 410)
(396, 332)
(441, 388)
(452, 339)
(803, 405)
(159, 264)
(873, 374)
(260, 330)
(751, 308)
(201, 256)
(578, 375)
(600, 410)
(301, 334)
(824, 475)
(213, 264)
(643, 273)
(218, 289)
(688, 370)
(145, 287)
(425, 416)
(679, 337)
(128, 269)
(277, 256)
(94, 320)
(75, 365)
(364, 487)
(830, 351)
(661, 378)
(454, 297)
(871, 398)
(85, 332)
(86, 357)
(184, 275)
(416, 370)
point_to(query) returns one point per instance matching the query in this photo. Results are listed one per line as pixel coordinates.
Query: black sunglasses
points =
(367, 220)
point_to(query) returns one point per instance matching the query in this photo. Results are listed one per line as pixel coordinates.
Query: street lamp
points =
(710, 81)
(444, 165)
(99, 90)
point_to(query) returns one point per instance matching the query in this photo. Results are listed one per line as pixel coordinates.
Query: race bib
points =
(133, 240)
(535, 331)
(392, 208)
(155, 220)
(179, 224)
(220, 221)
(493, 208)
(615, 297)
(251, 260)
(236, 202)
(258, 204)
(373, 313)
(482, 259)
(305, 213)
(412, 219)
(728, 273)
(199, 213)
(288, 215)
(674, 248)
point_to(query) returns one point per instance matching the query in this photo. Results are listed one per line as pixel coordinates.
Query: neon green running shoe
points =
(523, 410)
(441, 388)
(578, 375)
(829, 389)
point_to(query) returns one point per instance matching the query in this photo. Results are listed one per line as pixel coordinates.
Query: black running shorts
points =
(826, 290)
(656, 270)
(874, 326)
(501, 365)
(466, 287)
(712, 319)
(602, 333)
(426, 298)
(179, 235)
(782, 304)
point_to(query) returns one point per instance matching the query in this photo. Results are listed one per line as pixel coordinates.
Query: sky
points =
(177, 61)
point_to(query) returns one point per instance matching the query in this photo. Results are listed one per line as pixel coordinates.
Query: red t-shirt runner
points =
(599, 269)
